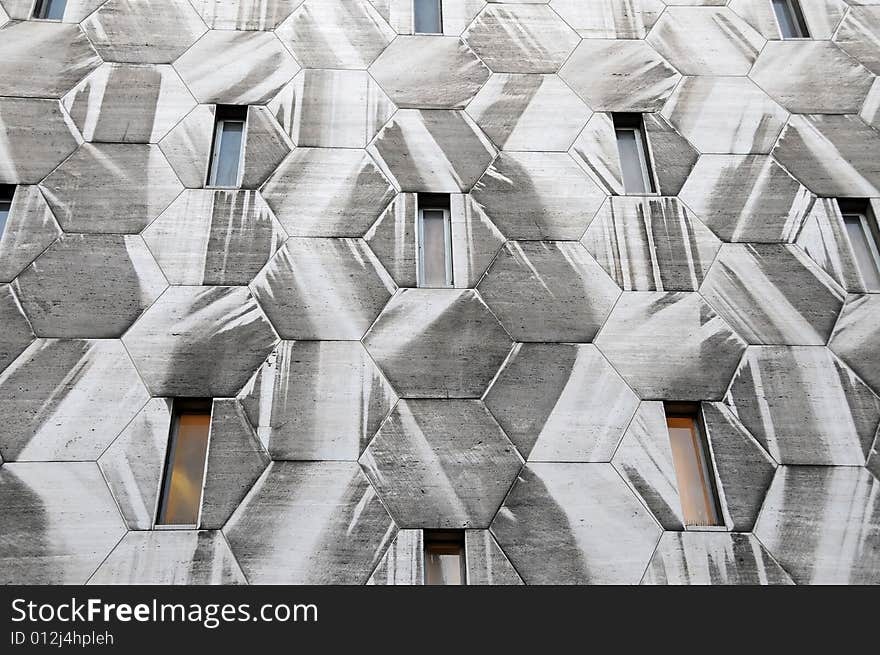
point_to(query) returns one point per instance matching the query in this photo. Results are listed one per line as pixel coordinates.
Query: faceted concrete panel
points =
(17, 332)
(441, 464)
(429, 72)
(610, 19)
(821, 16)
(773, 294)
(651, 244)
(856, 339)
(561, 402)
(170, 557)
(35, 136)
(214, 237)
(128, 103)
(673, 156)
(486, 562)
(438, 343)
(512, 110)
(548, 291)
(111, 188)
(823, 524)
(323, 289)
(706, 41)
(711, 558)
(310, 523)
(804, 406)
(455, 14)
(538, 195)
(332, 108)
(42, 59)
(58, 522)
(67, 400)
(89, 285)
(235, 15)
(335, 34)
(832, 155)
(236, 68)
(143, 31)
(627, 76)
(432, 150)
(200, 341)
(317, 400)
(30, 228)
(670, 346)
(725, 115)
(746, 198)
(858, 35)
(327, 192)
(811, 77)
(404, 561)
(595, 528)
(521, 38)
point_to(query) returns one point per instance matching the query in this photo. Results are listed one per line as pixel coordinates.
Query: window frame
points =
(439, 16)
(797, 17)
(870, 233)
(216, 145)
(7, 197)
(448, 539)
(635, 123)
(41, 7)
(420, 246)
(182, 406)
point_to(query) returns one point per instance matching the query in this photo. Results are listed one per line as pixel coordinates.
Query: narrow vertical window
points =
(434, 236)
(228, 147)
(864, 239)
(444, 557)
(791, 19)
(50, 9)
(696, 486)
(6, 194)
(427, 17)
(635, 162)
(181, 497)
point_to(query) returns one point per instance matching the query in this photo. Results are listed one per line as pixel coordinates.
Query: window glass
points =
(864, 248)
(185, 467)
(695, 486)
(434, 248)
(227, 156)
(632, 160)
(444, 558)
(790, 19)
(426, 17)
(51, 9)
(5, 208)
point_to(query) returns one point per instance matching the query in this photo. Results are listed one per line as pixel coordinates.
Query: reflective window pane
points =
(632, 161)
(51, 9)
(695, 487)
(444, 558)
(185, 468)
(5, 207)
(790, 19)
(426, 17)
(434, 259)
(227, 155)
(864, 248)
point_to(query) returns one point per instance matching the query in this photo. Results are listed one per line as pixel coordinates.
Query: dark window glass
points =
(791, 19)
(6, 194)
(632, 147)
(427, 17)
(445, 558)
(228, 145)
(185, 465)
(434, 232)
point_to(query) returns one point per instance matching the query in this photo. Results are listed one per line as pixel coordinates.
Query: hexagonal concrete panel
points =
(823, 523)
(561, 402)
(812, 77)
(538, 195)
(626, 76)
(332, 108)
(609, 20)
(154, 32)
(101, 188)
(746, 198)
(821, 16)
(322, 192)
(858, 36)
(512, 110)
(30, 228)
(263, 15)
(438, 343)
(706, 41)
(455, 14)
(521, 38)
(236, 68)
(856, 338)
(725, 115)
(670, 346)
(317, 400)
(651, 244)
(35, 136)
(584, 514)
(335, 34)
(200, 341)
(831, 155)
(441, 464)
(123, 103)
(429, 72)
(67, 399)
(310, 523)
(17, 332)
(804, 406)
(548, 291)
(89, 285)
(214, 237)
(73, 10)
(59, 522)
(43, 59)
(439, 151)
(323, 289)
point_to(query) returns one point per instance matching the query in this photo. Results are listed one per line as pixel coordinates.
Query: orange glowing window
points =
(696, 487)
(444, 557)
(185, 465)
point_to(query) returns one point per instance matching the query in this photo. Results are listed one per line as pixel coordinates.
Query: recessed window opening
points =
(50, 9)
(434, 238)
(693, 472)
(227, 150)
(864, 239)
(790, 19)
(7, 192)
(445, 557)
(427, 16)
(635, 160)
(181, 493)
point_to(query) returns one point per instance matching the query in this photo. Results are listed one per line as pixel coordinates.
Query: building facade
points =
(395, 292)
